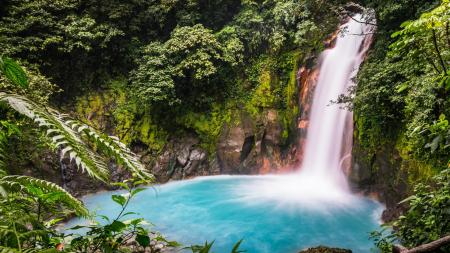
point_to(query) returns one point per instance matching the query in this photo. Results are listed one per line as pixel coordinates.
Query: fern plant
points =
(30, 207)
(29, 211)
(77, 140)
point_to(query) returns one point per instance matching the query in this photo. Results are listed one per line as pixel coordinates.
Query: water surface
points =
(228, 208)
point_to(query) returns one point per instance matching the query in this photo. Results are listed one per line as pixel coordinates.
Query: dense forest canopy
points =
(173, 67)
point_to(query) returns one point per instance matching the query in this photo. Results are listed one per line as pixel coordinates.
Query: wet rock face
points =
(253, 146)
(181, 158)
(236, 149)
(322, 249)
(379, 175)
(246, 145)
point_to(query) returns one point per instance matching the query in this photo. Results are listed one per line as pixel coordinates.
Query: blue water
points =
(218, 208)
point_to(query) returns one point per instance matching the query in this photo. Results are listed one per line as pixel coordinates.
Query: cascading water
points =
(321, 178)
(327, 123)
(277, 213)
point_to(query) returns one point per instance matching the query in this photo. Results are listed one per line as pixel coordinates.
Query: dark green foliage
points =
(407, 83)
(29, 210)
(185, 56)
(426, 220)
(46, 192)
(115, 235)
(183, 68)
(402, 95)
(31, 207)
(82, 44)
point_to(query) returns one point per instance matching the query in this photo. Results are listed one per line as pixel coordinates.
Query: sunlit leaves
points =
(84, 32)
(426, 38)
(191, 57)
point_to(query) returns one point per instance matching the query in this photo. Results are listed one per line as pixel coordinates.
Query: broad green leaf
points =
(136, 191)
(13, 72)
(119, 199)
(143, 240)
(116, 226)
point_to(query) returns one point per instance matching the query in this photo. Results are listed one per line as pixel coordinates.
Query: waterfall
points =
(320, 182)
(323, 157)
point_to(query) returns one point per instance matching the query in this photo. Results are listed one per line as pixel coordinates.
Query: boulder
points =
(323, 249)
(235, 144)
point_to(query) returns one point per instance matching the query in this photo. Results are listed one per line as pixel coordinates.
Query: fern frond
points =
(22, 183)
(2, 155)
(62, 136)
(32, 235)
(70, 137)
(8, 250)
(30, 250)
(113, 147)
(2, 171)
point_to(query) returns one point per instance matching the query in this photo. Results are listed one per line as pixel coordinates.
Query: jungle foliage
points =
(180, 60)
(177, 58)
(402, 99)
(31, 208)
(409, 84)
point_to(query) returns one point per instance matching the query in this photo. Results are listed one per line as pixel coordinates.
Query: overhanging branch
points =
(428, 247)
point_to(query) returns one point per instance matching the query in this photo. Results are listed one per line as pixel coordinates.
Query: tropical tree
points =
(185, 67)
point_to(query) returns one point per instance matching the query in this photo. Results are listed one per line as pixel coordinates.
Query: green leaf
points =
(402, 87)
(77, 227)
(236, 247)
(143, 240)
(116, 226)
(135, 222)
(434, 144)
(8, 250)
(29, 185)
(119, 199)
(121, 185)
(407, 199)
(13, 72)
(136, 191)
(106, 218)
(207, 247)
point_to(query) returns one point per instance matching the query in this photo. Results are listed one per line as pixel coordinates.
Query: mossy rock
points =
(322, 249)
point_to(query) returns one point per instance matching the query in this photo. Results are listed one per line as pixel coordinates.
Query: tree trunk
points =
(428, 247)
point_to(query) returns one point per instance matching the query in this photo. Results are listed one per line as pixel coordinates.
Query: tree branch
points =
(429, 59)
(362, 22)
(436, 47)
(428, 247)
(361, 34)
(447, 33)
